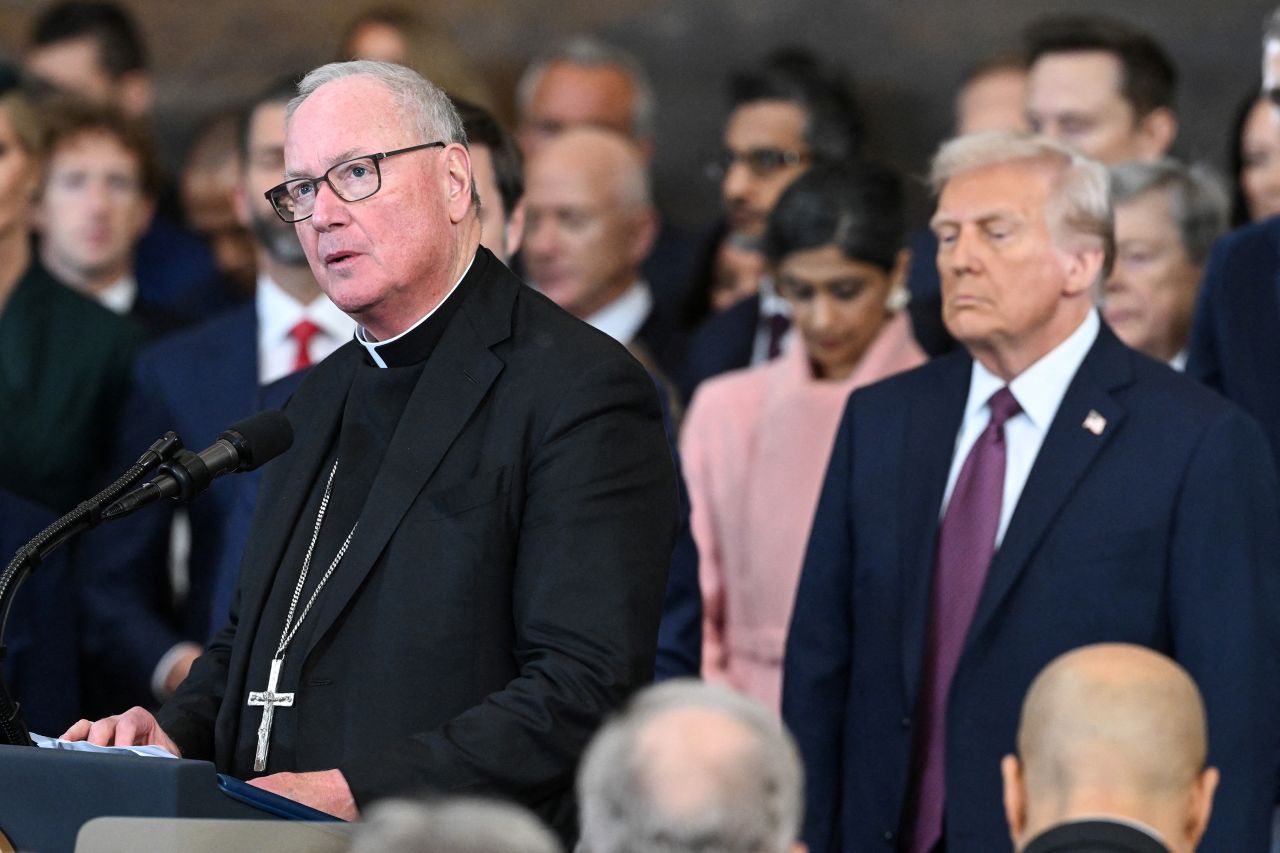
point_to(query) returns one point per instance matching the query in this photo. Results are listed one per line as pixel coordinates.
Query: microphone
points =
(243, 446)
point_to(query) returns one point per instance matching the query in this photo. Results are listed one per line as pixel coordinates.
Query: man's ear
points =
(458, 172)
(1201, 805)
(1015, 798)
(1083, 267)
(643, 235)
(135, 93)
(1156, 132)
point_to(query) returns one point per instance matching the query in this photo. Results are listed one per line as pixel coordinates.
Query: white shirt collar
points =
(622, 318)
(121, 296)
(1040, 388)
(1179, 361)
(372, 346)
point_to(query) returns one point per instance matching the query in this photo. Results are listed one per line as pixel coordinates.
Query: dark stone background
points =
(904, 56)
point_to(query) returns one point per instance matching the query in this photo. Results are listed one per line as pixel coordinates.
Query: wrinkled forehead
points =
(343, 119)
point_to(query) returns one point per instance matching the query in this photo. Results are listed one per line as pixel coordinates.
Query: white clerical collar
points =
(1040, 388)
(279, 313)
(373, 346)
(622, 318)
(120, 296)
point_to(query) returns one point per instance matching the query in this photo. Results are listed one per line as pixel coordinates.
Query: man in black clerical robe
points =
(479, 487)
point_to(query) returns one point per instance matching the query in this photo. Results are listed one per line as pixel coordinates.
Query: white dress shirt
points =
(120, 296)
(278, 313)
(1039, 390)
(623, 318)
(772, 304)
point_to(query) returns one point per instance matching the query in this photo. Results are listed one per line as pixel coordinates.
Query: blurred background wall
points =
(904, 57)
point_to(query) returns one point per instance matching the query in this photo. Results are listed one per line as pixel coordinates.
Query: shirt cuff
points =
(161, 673)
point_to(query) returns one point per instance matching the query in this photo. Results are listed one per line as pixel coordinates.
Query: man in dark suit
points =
(1043, 489)
(1111, 756)
(140, 634)
(589, 223)
(483, 483)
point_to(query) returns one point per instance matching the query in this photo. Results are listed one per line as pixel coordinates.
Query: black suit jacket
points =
(502, 593)
(1094, 836)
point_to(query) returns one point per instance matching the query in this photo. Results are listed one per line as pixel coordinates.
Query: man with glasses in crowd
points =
(785, 116)
(483, 484)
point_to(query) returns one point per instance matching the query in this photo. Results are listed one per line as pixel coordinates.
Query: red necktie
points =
(303, 333)
(966, 544)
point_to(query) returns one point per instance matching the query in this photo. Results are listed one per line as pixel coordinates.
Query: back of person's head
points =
(120, 47)
(834, 129)
(483, 128)
(462, 825)
(1111, 730)
(1148, 78)
(856, 206)
(687, 767)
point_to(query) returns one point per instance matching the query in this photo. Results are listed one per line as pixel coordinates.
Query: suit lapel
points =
(1068, 451)
(928, 443)
(320, 410)
(454, 381)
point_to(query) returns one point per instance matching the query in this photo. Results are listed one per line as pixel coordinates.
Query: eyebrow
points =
(939, 220)
(341, 156)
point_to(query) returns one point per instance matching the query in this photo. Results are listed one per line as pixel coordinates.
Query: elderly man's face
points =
(584, 241)
(1003, 279)
(1076, 98)
(374, 257)
(1151, 293)
(570, 96)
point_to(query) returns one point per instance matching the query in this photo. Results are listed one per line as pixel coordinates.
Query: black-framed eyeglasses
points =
(761, 162)
(351, 180)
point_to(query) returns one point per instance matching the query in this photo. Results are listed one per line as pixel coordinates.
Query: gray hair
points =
(752, 803)
(1079, 206)
(424, 106)
(591, 52)
(462, 825)
(1198, 203)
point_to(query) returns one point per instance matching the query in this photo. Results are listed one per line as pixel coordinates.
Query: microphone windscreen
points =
(260, 438)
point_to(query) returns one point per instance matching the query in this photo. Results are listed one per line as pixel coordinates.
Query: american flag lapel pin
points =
(1094, 422)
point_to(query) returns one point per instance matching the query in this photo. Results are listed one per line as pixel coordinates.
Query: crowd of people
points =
(970, 527)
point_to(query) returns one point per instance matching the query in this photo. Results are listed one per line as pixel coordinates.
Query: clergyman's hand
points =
(326, 790)
(135, 727)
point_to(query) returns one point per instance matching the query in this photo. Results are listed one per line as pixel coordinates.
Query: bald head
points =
(589, 218)
(1117, 730)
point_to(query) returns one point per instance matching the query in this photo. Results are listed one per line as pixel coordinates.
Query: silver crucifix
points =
(268, 700)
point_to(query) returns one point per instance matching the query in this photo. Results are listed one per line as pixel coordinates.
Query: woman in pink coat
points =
(756, 441)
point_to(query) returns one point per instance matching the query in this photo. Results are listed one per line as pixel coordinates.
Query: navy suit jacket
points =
(1235, 340)
(722, 343)
(196, 383)
(1159, 531)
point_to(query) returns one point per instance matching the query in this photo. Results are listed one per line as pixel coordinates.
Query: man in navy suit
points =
(140, 633)
(1043, 489)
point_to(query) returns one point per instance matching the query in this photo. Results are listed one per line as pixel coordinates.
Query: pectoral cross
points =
(268, 701)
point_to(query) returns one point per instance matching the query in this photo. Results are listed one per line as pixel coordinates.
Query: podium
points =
(46, 795)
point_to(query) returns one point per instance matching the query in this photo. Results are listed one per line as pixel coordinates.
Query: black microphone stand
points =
(13, 730)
